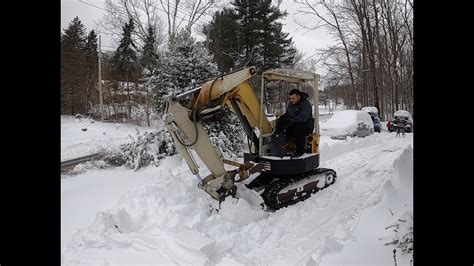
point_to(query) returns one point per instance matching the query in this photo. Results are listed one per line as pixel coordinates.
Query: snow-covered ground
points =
(81, 137)
(157, 215)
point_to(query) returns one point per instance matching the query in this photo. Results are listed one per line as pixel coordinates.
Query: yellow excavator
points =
(280, 179)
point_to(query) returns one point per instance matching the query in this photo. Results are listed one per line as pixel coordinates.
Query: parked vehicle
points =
(348, 123)
(374, 114)
(401, 118)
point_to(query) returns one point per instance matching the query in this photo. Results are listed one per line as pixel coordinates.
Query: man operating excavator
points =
(297, 121)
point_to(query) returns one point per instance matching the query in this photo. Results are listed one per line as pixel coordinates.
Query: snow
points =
(95, 190)
(370, 232)
(370, 109)
(81, 137)
(402, 113)
(343, 117)
(345, 123)
(158, 215)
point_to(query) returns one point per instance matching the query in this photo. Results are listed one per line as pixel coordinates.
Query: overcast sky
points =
(305, 41)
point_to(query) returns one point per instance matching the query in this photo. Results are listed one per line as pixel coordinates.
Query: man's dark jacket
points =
(301, 112)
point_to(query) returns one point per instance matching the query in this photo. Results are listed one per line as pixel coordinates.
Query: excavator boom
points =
(188, 134)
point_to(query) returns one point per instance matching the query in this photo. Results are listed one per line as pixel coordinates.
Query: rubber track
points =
(271, 191)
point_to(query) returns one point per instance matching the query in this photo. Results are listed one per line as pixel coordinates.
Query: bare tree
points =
(374, 50)
(190, 12)
(144, 13)
(298, 60)
(334, 22)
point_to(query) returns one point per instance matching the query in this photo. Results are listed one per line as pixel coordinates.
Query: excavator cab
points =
(273, 147)
(280, 180)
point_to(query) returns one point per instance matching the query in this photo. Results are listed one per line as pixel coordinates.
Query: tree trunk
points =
(129, 107)
(72, 99)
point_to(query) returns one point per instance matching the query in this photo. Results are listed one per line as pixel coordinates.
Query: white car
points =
(348, 123)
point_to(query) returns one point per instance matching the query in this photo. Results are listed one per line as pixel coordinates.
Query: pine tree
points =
(222, 39)
(250, 31)
(125, 63)
(186, 65)
(286, 48)
(249, 34)
(149, 58)
(125, 57)
(148, 62)
(73, 41)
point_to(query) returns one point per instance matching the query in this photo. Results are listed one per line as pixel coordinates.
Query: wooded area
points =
(370, 62)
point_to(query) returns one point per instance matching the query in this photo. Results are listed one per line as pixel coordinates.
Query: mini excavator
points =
(281, 180)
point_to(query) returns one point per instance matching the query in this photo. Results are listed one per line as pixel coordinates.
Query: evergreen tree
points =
(223, 40)
(73, 41)
(125, 57)
(249, 34)
(184, 65)
(149, 59)
(250, 31)
(286, 49)
(125, 63)
(148, 62)
(266, 43)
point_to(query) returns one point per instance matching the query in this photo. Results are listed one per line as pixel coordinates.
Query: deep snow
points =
(157, 214)
(81, 137)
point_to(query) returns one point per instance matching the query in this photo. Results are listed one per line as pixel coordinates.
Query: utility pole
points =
(100, 83)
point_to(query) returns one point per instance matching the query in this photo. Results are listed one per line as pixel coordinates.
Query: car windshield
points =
(401, 118)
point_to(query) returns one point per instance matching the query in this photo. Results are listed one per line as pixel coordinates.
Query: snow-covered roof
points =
(343, 117)
(370, 109)
(402, 113)
(285, 74)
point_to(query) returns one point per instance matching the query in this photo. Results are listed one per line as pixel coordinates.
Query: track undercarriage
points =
(282, 191)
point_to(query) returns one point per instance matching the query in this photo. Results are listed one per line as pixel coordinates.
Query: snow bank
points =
(390, 221)
(83, 196)
(81, 137)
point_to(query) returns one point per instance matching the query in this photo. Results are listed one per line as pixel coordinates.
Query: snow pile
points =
(383, 234)
(84, 195)
(169, 216)
(84, 136)
(144, 149)
(399, 192)
(83, 167)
